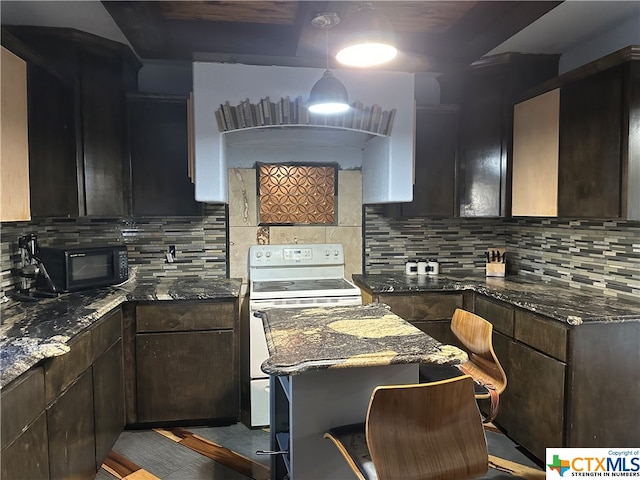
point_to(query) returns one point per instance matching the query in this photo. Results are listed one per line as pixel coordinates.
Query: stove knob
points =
(335, 253)
(267, 254)
(258, 254)
(326, 253)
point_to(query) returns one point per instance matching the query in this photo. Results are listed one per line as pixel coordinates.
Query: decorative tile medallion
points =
(297, 194)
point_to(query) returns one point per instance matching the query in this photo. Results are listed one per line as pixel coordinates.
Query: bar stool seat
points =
(429, 431)
(475, 335)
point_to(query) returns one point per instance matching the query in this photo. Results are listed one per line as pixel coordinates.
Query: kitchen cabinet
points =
(434, 189)
(430, 312)
(108, 383)
(592, 113)
(71, 431)
(14, 166)
(24, 428)
(558, 376)
(60, 419)
(158, 146)
(486, 93)
(98, 72)
(536, 132)
(85, 394)
(187, 362)
(532, 351)
(578, 155)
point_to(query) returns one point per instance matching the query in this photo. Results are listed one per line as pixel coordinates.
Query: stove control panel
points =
(308, 254)
(297, 254)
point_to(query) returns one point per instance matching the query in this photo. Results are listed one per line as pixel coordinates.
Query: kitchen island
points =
(323, 366)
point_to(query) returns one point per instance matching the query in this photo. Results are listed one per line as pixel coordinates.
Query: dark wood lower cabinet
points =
(24, 428)
(71, 428)
(185, 376)
(27, 457)
(532, 406)
(108, 400)
(567, 386)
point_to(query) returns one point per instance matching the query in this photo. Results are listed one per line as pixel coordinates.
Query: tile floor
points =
(169, 460)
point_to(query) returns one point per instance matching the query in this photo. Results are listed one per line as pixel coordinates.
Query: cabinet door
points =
(535, 156)
(52, 146)
(186, 376)
(108, 394)
(27, 457)
(70, 424)
(14, 169)
(158, 143)
(435, 157)
(483, 151)
(532, 406)
(590, 146)
(104, 134)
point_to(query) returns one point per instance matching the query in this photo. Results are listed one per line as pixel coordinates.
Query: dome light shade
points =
(328, 95)
(367, 40)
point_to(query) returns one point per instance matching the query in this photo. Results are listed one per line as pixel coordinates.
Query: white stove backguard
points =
(288, 262)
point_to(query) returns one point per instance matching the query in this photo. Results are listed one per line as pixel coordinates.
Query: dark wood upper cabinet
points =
(434, 189)
(597, 151)
(83, 119)
(486, 93)
(590, 142)
(158, 146)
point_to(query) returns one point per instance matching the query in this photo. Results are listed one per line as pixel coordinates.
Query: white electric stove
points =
(290, 276)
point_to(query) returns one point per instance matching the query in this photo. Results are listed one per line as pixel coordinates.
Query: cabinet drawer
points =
(427, 306)
(500, 316)
(175, 317)
(22, 401)
(60, 372)
(106, 332)
(542, 334)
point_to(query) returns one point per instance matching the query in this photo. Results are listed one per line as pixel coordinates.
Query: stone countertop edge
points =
(568, 305)
(319, 338)
(33, 331)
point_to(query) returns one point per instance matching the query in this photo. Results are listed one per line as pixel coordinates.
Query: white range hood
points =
(386, 162)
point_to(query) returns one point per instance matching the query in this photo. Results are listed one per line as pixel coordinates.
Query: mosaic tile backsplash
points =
(599, 256)
(201, 243)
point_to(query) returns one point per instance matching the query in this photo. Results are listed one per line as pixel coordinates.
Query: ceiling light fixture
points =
(368, 38)
(328, 95)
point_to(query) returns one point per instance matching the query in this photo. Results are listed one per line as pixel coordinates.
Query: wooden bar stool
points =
(423, 431)
(475, 335)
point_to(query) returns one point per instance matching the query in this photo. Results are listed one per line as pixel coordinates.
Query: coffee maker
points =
(31, 268)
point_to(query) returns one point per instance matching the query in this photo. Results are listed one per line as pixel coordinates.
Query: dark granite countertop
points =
(315, 338)
(34, 331)
(559, 302)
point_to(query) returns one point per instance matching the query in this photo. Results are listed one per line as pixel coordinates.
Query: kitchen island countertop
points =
(31, 332)
(318, 338)
(567, 305)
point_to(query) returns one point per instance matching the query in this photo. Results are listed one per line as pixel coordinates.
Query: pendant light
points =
(328, 95)
(368, 38)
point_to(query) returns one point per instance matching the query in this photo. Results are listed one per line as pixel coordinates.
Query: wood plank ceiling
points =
(435, 36)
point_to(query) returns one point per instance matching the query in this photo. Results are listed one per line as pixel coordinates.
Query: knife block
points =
(496, 263)
(495, 269)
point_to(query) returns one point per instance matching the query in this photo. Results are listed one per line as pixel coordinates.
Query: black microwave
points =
(81, 267)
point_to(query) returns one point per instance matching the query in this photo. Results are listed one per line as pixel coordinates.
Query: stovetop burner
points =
(301, 285)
